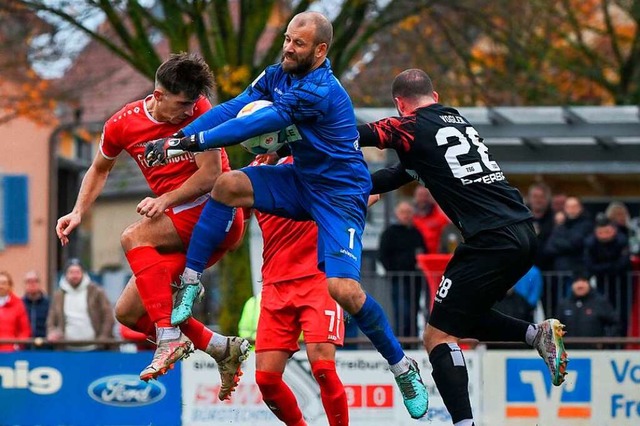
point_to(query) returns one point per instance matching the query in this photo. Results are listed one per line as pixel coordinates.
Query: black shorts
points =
(479, 274)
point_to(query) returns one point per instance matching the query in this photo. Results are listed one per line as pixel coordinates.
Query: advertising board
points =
(602, 388)
(372, 394)
(85, 388)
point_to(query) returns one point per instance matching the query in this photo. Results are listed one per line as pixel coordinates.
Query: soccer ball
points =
(263, 144)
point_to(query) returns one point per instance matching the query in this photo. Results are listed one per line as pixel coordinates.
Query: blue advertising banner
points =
(85, 388)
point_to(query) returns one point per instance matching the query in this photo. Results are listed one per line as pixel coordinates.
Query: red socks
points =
(197, 333)
(153, 279)
(334, 398)
(279, 398)
(146, 326)
(154, 273)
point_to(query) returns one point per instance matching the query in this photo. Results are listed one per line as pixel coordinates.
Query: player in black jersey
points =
(442, 151)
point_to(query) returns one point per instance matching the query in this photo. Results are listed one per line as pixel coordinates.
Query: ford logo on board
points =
(126, 390)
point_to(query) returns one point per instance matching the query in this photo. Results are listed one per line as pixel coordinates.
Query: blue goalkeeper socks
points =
(374, 324)
(210, 231)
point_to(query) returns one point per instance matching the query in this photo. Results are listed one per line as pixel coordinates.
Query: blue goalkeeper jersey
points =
(324, 140)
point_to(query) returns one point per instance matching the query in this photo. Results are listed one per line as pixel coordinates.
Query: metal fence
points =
(405, 297)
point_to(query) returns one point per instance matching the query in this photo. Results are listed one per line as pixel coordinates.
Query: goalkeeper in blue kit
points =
(328, 182)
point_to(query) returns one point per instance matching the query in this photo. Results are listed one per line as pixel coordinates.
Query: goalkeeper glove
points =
(158, 151)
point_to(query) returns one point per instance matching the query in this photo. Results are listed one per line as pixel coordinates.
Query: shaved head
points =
(322, 26)
(412, 83)
(306, 43)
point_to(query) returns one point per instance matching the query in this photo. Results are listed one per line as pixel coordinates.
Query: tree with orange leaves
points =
(507, 52)
(22, 92)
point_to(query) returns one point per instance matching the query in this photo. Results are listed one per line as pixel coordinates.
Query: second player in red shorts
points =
(295, 299)
(295, 296)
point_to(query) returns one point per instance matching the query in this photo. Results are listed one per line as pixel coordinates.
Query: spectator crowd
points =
(78, 310)
(583, 273)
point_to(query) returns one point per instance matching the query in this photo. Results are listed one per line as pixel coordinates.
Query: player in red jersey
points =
(155, 245)
(295, 298)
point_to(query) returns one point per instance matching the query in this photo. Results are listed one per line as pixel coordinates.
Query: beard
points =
(299, 66)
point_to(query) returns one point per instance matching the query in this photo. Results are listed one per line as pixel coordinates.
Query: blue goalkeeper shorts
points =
(340, 217)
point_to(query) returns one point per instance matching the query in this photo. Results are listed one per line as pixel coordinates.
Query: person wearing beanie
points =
(80, 310)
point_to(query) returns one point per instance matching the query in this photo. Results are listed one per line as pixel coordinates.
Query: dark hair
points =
(185, 73)
(602, 220)
(580, 273)
(412, 83)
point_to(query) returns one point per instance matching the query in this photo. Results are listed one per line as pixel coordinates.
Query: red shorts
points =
(185, 217)
(301, 305)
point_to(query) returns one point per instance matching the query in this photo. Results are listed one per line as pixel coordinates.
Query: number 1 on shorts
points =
(352, 234)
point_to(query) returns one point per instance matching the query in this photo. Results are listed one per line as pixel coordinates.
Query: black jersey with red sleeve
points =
(440, 149)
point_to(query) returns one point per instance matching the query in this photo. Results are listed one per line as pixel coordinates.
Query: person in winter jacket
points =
(586, 312)
(565, 245)
(398, 247)
(37, 304)
(607, 258)
(565, 248)
(79, 310)
(539, 201)
(14, 323)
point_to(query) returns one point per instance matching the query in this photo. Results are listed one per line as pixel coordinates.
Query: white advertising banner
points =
(372, 394)
(602, 388)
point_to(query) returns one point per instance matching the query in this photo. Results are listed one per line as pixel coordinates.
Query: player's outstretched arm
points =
(217, 115)
(229, 133)
(367, 135)
(236, 130)
(390, 178)
(92, 185)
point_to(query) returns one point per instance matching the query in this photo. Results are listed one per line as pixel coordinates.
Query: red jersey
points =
(131, 127)
(14, 322)
(431, 226)
(290, 247)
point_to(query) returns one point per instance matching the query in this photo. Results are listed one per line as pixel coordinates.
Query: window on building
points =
(14, 209)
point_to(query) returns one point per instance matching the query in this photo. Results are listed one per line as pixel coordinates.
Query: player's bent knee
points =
(432, 337)
(347, 293)
(321, 352)
(129, 237)
(128, 308)
(123, 315)
(233, 188)
(338, 292)
(426, 341)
